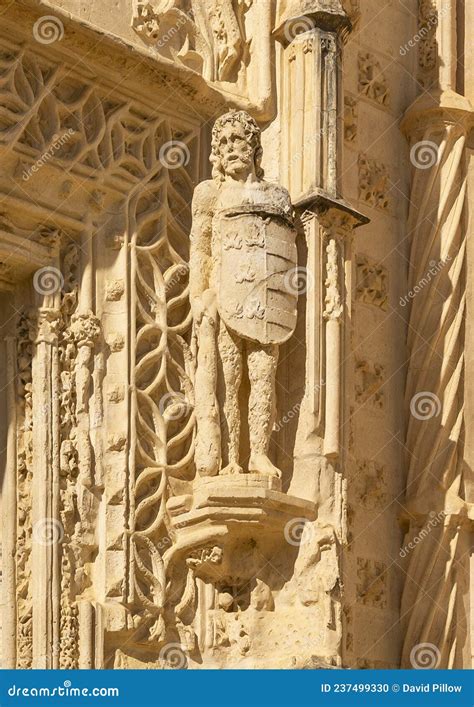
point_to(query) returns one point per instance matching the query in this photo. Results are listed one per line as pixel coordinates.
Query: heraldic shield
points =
(257, 298)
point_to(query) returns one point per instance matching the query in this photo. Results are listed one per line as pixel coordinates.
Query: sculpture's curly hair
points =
(252, 131)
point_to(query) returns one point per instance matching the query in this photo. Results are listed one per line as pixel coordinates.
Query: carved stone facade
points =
(234, 303)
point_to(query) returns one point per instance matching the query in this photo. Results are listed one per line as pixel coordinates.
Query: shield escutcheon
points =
(257, 257)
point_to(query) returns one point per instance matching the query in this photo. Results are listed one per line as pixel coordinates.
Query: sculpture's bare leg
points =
(207, 454)
(262, 364)
(230, 352)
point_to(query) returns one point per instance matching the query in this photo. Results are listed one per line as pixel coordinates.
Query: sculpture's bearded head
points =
(236, 147)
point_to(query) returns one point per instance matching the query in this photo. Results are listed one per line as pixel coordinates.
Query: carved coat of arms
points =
(257, 256)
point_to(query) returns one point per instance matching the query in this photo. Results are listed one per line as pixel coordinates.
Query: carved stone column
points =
(9, 519)
(437, 509)
(312, 35)
(45, 510)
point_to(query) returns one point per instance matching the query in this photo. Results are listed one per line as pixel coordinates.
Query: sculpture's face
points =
(236, 152)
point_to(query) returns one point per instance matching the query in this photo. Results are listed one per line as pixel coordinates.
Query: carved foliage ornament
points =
(372, 81)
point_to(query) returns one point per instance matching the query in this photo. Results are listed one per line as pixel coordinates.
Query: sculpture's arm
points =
(200, 261)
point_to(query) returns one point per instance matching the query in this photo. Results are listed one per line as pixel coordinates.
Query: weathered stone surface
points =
(235, 306)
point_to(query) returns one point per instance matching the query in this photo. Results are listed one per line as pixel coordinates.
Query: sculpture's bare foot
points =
(261, 464)
(232, 468)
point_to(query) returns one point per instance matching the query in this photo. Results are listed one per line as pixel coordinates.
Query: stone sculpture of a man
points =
(242, 257)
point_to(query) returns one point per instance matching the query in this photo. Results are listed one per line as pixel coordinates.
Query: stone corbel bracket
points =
(232, 510)
(329, 224)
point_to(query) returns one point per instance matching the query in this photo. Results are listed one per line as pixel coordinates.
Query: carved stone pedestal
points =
(235, 509)
(229, 541)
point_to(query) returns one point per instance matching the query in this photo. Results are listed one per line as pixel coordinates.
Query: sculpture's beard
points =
(237, 165)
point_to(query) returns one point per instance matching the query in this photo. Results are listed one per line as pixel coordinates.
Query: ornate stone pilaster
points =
(329, 225)
(47, 529)
(312, 35)
(9, 519)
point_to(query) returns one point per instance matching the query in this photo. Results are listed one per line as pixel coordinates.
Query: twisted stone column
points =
(438, 516)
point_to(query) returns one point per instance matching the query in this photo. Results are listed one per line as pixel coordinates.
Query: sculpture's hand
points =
(197, 309)
(204, 305)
